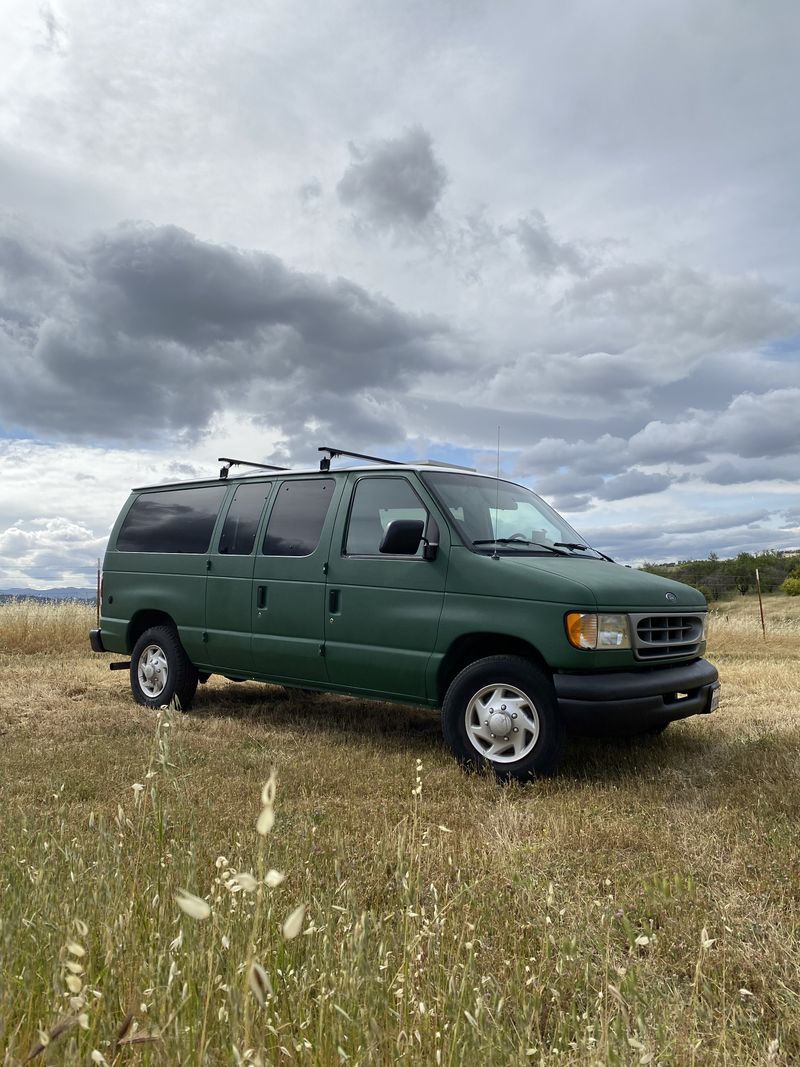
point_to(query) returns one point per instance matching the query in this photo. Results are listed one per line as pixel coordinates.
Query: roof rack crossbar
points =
(325, 462)
(244, 463)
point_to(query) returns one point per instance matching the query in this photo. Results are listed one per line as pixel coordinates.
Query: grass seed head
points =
(194, 907)
(258, 980)
(293, 923)
(268, 791)
(274, 878)
(266, 820)
(245, 881)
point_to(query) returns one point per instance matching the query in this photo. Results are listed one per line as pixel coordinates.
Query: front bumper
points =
(96, 641)
(636, 701)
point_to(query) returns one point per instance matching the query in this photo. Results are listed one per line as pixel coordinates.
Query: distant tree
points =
(770, 577)
(718, 578)
(745, 568)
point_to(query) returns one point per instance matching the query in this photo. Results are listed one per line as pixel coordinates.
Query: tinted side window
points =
(241, 523)
(174, 520)
(376, 502)
(297, 517)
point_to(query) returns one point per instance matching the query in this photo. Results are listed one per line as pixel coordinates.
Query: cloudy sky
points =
(253, 228)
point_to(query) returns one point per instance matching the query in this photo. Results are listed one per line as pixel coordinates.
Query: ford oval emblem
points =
(670, 596)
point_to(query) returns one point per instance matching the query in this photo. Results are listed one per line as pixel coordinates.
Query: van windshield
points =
(494, 515)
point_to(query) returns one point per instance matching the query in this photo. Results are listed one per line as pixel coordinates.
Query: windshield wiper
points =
(518, 541)
(583, 548)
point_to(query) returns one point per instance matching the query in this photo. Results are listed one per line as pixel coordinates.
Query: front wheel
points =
(161, 671)
(501, 712)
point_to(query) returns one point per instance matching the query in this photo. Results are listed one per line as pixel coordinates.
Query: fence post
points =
(760, 605)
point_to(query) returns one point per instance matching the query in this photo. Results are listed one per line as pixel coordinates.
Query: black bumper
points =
(636, 700)
(96, 641)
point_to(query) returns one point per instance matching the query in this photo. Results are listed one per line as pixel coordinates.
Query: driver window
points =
(376, 503)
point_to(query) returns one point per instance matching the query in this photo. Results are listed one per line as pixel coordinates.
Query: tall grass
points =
(28, 625)
(642, 908)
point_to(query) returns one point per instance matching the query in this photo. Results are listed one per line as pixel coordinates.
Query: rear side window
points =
(176, 520)
(241, 523)
(297, 517)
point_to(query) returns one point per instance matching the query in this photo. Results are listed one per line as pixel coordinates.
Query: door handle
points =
(333, 601)
(261, 597)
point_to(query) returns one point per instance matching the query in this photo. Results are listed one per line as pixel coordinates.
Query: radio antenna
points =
(497, 497)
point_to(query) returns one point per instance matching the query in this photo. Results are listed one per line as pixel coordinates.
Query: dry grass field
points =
(643, 907)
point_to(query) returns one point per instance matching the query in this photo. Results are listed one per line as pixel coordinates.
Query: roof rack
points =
(244, 463)
(325, 462)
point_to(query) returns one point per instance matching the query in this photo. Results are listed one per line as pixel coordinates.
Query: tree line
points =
(720, 578)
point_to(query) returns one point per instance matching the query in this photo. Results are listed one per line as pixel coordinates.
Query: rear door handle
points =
(333, 601)
(261, 597)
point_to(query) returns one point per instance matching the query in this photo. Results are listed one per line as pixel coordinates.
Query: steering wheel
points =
(518, 537)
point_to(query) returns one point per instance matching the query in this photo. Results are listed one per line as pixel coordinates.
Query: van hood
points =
(615, 587)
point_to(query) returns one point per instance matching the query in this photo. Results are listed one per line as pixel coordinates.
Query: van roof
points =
(421, 465)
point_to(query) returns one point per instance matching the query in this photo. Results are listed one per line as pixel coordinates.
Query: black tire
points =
(526, 696)
(173, 676)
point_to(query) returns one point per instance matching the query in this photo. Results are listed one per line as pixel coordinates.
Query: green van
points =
(419, 583)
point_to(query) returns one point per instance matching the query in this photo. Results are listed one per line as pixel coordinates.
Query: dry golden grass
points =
(28, 625)
(643, 907)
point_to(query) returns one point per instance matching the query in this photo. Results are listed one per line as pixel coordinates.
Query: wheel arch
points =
(471, 647)
(143, 620)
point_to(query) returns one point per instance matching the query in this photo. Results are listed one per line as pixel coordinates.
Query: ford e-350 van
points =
(418, 583)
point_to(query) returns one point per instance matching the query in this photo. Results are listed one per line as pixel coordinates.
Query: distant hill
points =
(66, 593)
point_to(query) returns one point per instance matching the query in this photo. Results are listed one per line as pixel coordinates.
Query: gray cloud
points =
(726, 534)
(729, 521)
(395, 183)
(545, 254)
(742, 472)
(54, 32)
(310, 192)
(678, 315)
(633, 483)
(147, 329)
(605, 455)
(569, 483)
(571, 505)
(752, 425)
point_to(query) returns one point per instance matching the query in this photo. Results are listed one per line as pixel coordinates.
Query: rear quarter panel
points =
(152, 581)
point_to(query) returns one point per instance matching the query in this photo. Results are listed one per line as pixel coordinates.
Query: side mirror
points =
(402, 537)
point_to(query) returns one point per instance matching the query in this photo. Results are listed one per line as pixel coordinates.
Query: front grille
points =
(661, 636)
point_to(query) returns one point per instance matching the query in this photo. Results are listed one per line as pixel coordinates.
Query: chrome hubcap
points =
(502, 723)
(152, 671)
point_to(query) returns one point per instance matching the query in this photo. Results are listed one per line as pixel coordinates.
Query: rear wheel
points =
(501, 712)
(160, 669)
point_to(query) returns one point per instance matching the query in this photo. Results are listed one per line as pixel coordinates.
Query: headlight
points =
(598, 631)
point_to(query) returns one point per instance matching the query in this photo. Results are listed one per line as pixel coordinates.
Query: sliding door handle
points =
(261, 597)
(333, 601)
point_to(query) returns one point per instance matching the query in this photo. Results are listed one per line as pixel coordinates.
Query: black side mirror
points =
(402, 537)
